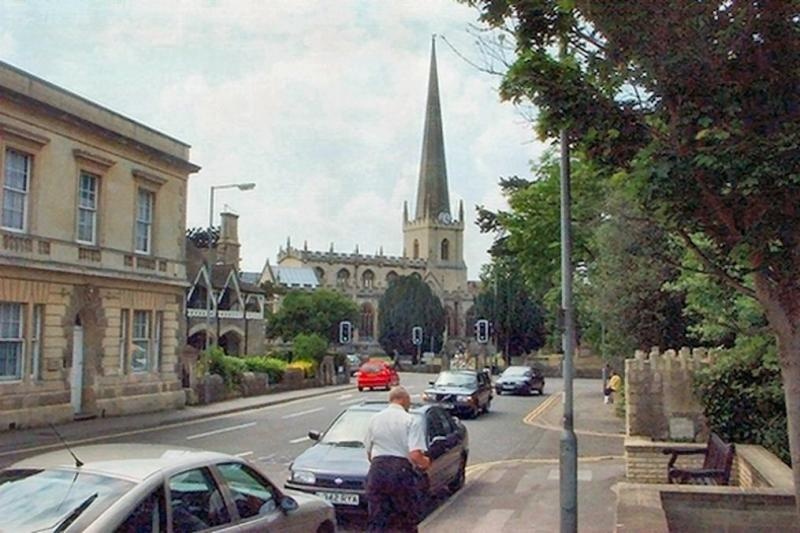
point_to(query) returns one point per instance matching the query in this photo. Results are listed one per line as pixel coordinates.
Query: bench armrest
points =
(675, 452)
(684, 475)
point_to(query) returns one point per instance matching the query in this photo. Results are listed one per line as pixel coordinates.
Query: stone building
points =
(433, 244)
(237, 304)
(92, 266)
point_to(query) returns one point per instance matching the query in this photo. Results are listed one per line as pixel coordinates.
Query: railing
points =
(231, 315)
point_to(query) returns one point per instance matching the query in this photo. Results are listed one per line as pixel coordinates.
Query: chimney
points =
(228, 246)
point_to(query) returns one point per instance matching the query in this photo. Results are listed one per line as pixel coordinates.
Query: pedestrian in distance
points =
(612, 387)
(396, 448)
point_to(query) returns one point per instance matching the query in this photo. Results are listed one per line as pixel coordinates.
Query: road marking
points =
(267, 457)
(344, 396)
(542, 407)
(183, 423)
(301, 413)
(583, 475)
(350, 402)
(244, 454)
(222, 430)
(299, 440)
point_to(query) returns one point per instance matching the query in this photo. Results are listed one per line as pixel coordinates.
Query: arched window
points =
(320, 275)
(391, 276)
(343, 278)
(367, 321)
(416, 249)
(368, 279)
(451, 321)
(445, 250)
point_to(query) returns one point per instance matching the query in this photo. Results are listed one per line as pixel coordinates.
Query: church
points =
(433, 247)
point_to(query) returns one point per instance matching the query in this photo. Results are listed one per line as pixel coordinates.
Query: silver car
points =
(143, 488)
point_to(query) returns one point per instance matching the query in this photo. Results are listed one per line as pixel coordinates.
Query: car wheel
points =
(499, 392)
(326, 527)
(541, 391)
(461, 477)
(361, 389)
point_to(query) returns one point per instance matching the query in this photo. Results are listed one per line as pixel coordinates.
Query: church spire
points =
(432, 194)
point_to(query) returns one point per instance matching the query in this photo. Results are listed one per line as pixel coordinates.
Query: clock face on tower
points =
(444, 217)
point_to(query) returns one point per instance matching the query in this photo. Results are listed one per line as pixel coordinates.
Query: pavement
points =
(523, 494)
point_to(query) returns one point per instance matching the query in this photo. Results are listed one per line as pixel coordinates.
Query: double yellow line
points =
(542, 407)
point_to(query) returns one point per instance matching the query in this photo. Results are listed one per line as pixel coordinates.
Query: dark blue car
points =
(336, 466)
(461, 392)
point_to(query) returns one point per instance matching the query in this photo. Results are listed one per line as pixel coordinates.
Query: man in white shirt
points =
(395, 444)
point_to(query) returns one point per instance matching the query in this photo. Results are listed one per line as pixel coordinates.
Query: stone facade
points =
(92, 264)
(659, 395)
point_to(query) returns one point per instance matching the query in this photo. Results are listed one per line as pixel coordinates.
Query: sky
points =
(320, 104)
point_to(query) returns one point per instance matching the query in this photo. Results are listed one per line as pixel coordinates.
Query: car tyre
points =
(326, 527)
(461, 477)
(361, 389)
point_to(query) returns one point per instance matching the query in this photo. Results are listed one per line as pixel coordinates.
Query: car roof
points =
(376, 406)
(134, 462)
(460, 371)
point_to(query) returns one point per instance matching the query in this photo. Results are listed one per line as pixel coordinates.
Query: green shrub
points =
(271, 366)
(309, 347)
(228, 367)
(742, 395)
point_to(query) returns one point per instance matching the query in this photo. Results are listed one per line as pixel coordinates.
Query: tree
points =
(317, 312)
(309, 347)
(409, 302)
(694, 106)
(517, 319)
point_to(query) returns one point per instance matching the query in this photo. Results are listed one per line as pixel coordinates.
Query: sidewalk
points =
(42, 438)
(523, 494)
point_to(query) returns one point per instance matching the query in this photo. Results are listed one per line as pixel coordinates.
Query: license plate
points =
(340, 498)
(509, 386)
(446, 405)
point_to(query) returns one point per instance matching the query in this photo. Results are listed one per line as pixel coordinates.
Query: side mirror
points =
(288, 504)
(431, 383)
(314, 435)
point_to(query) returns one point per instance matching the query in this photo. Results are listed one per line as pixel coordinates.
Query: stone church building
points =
(433, 246)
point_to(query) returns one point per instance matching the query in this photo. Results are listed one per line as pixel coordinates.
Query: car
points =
(353, 363)
(377, 373)
(336, 466)
(520, 379)
(462, 392)
(146, 487)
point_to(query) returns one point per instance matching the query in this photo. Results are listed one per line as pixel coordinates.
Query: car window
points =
(252, 494)
(150, 516)
(437, 426)
(196, 501)
(456, 379)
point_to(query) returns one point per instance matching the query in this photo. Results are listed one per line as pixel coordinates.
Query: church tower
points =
(434, 234)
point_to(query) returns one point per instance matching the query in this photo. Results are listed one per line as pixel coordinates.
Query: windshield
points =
(33, 500)
(516, 371)
(456, 379)
(349, 429)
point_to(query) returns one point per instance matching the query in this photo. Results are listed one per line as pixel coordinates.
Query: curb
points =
(194, 417)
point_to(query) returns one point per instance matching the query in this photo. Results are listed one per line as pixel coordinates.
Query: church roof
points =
(432, 193)
(296, 277)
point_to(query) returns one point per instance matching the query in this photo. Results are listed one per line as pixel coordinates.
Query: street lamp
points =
(210, 288)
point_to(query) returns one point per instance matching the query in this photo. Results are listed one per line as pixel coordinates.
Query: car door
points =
(441, 434)
(484, 389)
(149, 515)
(258, 502)
(196, 503)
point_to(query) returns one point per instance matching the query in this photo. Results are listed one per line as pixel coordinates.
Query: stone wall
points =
(660, 398)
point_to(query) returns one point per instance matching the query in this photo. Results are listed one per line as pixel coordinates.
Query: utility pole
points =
(568, 457)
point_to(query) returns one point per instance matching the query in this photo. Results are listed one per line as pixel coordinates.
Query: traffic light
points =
(345, 332)
(416, 335)
(482, 331)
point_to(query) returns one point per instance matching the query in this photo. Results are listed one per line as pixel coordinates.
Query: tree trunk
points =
(789, 353)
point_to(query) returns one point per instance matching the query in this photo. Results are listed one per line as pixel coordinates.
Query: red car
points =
(377, 374)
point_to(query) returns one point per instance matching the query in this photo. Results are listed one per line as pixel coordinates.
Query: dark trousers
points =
(391, 495)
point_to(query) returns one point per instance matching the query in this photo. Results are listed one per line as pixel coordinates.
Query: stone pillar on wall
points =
(659, 395)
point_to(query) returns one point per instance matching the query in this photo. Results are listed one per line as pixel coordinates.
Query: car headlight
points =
(463, 398)
(301, 476)
(425, 397)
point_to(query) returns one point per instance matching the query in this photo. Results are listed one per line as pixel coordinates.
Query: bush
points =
(742, 396)
(309, 347)
(228, 367)
(271, 366)
(308, 367)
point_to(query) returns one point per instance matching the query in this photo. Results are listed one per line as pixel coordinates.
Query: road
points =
(273, 436)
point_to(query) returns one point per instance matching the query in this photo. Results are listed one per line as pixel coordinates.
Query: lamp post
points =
(210, 288)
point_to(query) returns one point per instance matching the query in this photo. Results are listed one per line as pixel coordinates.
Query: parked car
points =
(520, 379)
(143, 487)
(377, 373)
(462, 392)
(336, 466)
(353, 363)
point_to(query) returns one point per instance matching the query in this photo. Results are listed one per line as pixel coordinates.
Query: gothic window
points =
(391, 276)
(445, 250)
(450, 319)
(367, 321)
(416, 249)
(320, 275)
(368, 279)
(343, 278)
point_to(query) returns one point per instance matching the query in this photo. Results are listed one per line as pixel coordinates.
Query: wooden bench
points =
(716, 468)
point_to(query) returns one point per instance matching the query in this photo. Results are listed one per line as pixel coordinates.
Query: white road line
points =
(267, 457)
(244, 454)
(301, 413)
(344, 396)
(223, 430)
(350, 402)
(301, 439)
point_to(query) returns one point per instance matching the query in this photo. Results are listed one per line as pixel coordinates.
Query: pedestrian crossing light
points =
(482, 331)
(416, 335)
(345, 332)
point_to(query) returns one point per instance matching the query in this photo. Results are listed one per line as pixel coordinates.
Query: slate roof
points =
(296, 277)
